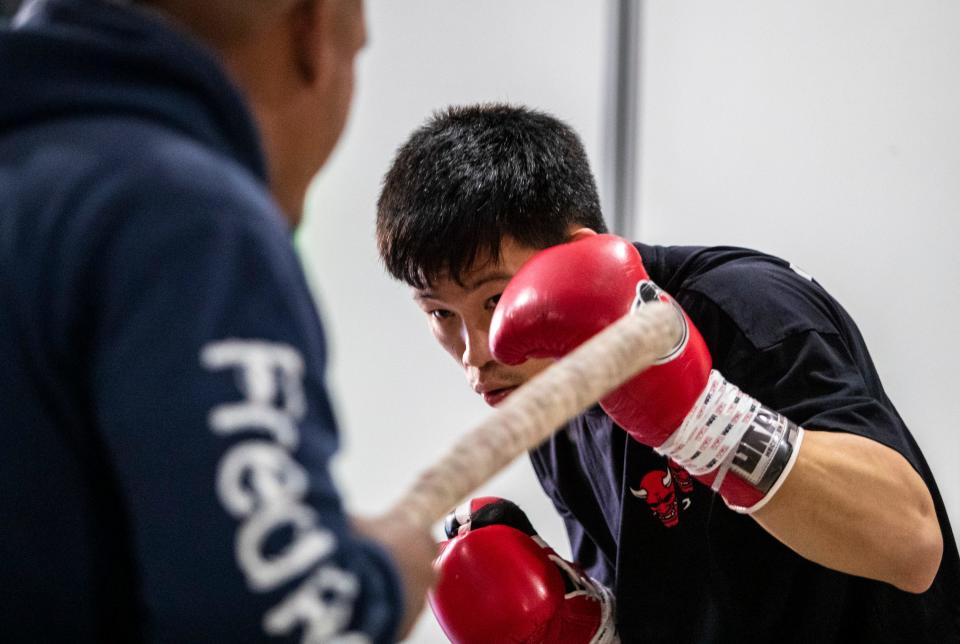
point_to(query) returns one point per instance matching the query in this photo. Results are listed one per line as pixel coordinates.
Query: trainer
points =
(166, 431)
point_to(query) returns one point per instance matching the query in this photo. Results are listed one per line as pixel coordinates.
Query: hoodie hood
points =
(91, 57)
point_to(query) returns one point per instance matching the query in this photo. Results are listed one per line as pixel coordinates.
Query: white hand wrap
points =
(712, 437)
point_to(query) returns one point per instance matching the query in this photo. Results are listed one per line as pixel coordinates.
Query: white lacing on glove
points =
(593, 589)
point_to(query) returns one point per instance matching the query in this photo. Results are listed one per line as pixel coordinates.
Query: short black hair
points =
(474, 174)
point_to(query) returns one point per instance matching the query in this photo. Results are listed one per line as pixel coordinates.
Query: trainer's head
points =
(472, 195)
(293, 59)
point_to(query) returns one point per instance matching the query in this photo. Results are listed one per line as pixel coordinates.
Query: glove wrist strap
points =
(728, 431)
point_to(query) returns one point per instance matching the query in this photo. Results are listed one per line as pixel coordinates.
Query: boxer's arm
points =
(857, 506)
(854, 500)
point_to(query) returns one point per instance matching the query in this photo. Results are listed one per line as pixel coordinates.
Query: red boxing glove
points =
(499, 582)
(567, 293)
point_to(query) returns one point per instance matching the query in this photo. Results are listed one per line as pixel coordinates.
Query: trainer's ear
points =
(582, 233)
(305, 19)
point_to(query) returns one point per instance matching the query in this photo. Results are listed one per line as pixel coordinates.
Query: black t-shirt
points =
(715, 575)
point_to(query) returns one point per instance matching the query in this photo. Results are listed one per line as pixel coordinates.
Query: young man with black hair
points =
(756, 485)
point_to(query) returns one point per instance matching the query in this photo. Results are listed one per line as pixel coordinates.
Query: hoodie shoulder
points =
(77, 175)
(76, 187)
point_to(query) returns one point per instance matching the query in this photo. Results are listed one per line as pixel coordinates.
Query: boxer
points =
(757, 483)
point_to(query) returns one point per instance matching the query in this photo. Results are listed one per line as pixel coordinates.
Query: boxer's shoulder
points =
(765, 298)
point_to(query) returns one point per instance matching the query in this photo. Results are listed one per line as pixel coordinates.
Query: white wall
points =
(826, 133)
(401, 400)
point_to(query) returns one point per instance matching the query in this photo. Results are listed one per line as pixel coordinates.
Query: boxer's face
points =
(459, 317)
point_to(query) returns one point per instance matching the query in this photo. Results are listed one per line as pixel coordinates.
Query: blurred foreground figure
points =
(165, 425)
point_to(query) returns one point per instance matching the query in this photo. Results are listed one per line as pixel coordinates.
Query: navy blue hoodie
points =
(165, 431)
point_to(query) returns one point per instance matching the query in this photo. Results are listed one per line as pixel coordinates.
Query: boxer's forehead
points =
(486, 269)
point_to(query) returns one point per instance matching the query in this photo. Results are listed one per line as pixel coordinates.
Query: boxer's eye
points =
(492, 302)
(440, 314)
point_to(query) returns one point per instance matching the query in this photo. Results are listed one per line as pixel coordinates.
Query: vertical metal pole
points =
(622, 118)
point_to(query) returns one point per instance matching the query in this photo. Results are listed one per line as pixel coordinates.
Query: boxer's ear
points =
(581, 233)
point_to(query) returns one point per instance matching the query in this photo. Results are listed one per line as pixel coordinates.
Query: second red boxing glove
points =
(499, 582)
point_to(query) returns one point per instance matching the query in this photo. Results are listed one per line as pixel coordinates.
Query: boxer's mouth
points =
(493, 397)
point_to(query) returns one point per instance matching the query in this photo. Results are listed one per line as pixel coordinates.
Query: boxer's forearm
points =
(854, 505)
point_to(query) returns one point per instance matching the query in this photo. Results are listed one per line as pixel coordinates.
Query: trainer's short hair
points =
(474, 174)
